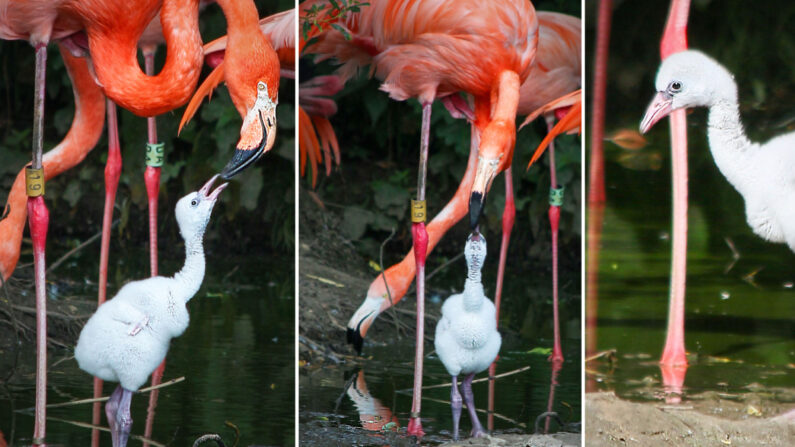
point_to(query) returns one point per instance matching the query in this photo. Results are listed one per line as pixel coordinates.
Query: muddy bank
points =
(556, 440)
(333, 281)
(709, 420)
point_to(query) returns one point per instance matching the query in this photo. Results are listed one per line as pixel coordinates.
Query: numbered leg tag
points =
(34, 182)
(418, 211)
(155, 154)
(556, 196)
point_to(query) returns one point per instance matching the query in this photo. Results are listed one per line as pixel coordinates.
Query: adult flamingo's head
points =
(688, 79)
(254, 91)
(494, 156)
(248, 61)
(251, 71)
(496, 141)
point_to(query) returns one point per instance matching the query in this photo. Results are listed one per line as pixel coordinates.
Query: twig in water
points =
(479, 410)
(483, 379)
(105, 398)
(610, 354)
(735, 255)
(750, 278)
(348, 384)
(105, 429)
(231, 272)
(237, 431)
(71, 252)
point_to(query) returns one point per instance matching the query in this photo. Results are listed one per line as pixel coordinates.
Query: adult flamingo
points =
(555, 74)
(426, 50)
(315, 107)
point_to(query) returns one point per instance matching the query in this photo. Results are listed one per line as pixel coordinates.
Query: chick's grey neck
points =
(473, 287)
(192, 274)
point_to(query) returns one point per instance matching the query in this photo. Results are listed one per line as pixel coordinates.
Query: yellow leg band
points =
(419, 211)
(34, 182)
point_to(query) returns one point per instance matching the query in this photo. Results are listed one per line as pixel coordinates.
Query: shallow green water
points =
(739, 331)
(237, 357)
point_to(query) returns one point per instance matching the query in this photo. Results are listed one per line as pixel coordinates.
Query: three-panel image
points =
(397, 222)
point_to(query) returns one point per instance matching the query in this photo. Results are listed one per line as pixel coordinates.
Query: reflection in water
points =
(553, 383)
(594, 231)
(373, 415)
(673, 377)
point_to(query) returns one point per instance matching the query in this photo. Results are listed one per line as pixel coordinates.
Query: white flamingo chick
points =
(467, 341)
(764, 174)
(128, 336)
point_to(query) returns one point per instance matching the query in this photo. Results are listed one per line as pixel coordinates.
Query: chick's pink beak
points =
(659, 108)
(205, 190)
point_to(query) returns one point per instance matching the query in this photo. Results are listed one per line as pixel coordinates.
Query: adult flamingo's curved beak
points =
(257, 134)
(660, 107)
(484, 175)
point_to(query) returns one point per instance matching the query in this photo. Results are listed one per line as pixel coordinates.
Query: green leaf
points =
(540, 351)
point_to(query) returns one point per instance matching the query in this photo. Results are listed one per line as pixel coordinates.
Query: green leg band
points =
(556, 196)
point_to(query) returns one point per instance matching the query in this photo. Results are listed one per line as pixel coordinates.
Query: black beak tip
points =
(355, 339)
(475, 209)
(241, 159)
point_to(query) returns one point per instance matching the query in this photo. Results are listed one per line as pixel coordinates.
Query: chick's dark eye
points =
(675, 86)
(194, 202)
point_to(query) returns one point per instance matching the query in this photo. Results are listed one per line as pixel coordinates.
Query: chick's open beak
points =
(660, 107)
(205, 190)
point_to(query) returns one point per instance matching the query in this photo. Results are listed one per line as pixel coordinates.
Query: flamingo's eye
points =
(194, 202)
(675, 87)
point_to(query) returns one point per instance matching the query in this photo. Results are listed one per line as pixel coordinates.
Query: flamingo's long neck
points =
(731, 148)
(247, 45)
(114, 53)
(192, 273)
(240, 18)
